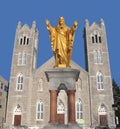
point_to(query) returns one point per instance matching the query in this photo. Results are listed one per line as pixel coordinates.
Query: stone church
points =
(29, 94)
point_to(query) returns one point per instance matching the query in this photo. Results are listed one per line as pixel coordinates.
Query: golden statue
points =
(62, 38)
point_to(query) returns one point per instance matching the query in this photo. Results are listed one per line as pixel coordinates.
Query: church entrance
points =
(17, 115)
(17, 120)
(103, 120)
(102, 115)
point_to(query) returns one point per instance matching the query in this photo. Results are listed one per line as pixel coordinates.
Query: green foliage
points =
(116, 96)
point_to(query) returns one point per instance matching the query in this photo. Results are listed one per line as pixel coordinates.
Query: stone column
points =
(53, 107)
(71, 107)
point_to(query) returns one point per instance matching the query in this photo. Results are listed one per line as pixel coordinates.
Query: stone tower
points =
(97, 65)
(23, 65)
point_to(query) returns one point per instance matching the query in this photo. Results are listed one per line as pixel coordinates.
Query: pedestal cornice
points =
(58, 76)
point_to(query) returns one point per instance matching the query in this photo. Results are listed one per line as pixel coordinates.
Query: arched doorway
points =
(17, 115)
(102, 112)
(62, 109)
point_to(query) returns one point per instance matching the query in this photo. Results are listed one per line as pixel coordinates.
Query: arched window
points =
(24, 40)
(100, 39)
(34, 61)
(21, 58)
(21, 40)
(95, 37)
(99, 78)
(39, 112)
(19, 82)
(79, 110)
(97, 56)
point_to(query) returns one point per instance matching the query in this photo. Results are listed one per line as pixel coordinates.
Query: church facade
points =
(29, 97)
(3, 100)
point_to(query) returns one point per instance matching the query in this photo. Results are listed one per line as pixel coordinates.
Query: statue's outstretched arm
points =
(48, 25)
(74, 27)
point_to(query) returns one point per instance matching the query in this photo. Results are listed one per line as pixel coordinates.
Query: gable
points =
(50, 64)
(25, 29)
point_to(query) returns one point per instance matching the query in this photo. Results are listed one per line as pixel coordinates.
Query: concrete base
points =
(58, 126)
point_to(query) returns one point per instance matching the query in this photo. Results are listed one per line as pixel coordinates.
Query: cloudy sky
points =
(28, 11)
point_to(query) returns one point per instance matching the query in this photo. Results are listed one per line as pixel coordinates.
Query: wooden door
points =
(60, 118)
(17, 120)
(103, 120)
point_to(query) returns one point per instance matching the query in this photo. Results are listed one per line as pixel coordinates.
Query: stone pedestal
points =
(62, 79)
(58, 77)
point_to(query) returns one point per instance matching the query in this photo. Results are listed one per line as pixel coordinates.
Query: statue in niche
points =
(62, 38)
(40, 84)
(78, 84)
